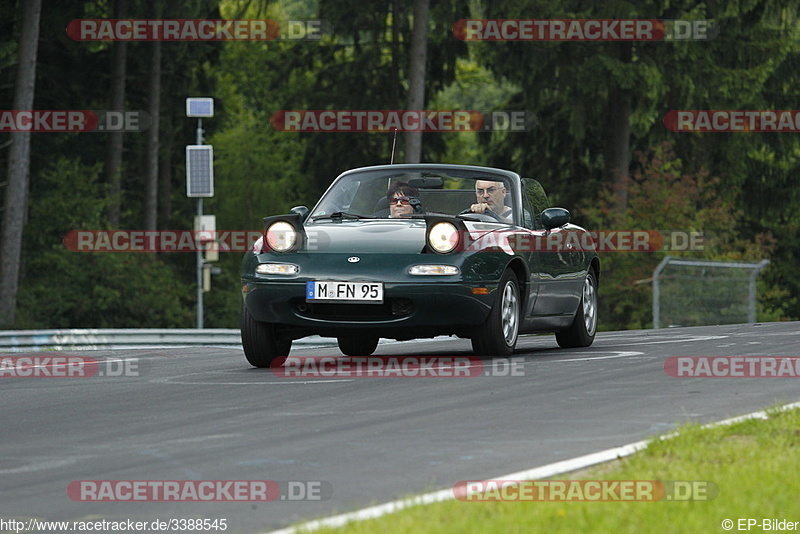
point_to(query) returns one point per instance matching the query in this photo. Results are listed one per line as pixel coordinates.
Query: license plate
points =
(368, 292)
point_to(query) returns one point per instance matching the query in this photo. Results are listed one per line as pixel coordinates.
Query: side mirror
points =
(302, 211)
(554, 218)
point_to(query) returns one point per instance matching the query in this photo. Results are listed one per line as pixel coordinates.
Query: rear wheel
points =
(498, 335)
(584, 326)
(357, 346)
(262, 342)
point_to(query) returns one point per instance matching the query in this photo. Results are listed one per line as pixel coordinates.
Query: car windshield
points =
(412, 193)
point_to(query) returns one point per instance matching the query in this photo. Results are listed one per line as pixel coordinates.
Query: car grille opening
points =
(392, 308)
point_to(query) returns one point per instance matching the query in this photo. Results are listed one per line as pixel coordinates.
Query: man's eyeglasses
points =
(403, 201)
(488, 191)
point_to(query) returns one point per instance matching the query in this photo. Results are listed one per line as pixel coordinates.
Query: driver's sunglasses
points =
(403, 201)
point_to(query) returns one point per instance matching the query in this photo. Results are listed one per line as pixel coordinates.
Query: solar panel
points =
(199, 107)
(199, 171)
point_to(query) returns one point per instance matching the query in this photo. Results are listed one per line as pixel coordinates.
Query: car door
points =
(556, 263)
(525, 245)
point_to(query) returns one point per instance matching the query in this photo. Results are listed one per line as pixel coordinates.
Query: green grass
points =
(755, 465)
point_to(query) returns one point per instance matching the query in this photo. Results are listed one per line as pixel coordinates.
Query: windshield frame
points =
(333, 199)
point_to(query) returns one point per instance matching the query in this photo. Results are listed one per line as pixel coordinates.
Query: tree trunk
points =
(165, 184)
(618, 136)
(113, 167)
(154, 98)
(394, 68)
(416, 82)
(617, 147)
(19, 162)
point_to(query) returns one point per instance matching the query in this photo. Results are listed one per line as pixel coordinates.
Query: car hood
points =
(379, 236)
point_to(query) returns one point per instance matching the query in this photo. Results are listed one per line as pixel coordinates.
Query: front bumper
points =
(409, 310)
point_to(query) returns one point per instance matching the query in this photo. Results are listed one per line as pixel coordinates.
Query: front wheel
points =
(498, 335)
(261, 341)
(583, 328)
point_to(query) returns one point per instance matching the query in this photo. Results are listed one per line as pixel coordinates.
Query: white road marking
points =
(615, 354)
(42, 465)
(679, 340)
(282, 382)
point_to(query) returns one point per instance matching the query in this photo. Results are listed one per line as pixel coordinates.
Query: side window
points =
(536, 199)
(527, 212)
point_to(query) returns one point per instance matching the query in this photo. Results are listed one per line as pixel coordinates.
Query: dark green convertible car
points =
(420, 250)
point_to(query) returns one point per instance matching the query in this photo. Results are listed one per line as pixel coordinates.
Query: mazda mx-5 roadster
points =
(420, 250)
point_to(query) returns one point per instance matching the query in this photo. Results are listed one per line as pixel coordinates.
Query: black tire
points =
(584, 327)
(261, 341)
(357, 346)
(497, 336)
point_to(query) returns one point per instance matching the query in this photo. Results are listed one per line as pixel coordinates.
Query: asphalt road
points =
(204, 414)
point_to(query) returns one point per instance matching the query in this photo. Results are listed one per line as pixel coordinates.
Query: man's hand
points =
(479, 208)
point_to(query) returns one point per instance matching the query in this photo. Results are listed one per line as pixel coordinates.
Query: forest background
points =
(599, 144)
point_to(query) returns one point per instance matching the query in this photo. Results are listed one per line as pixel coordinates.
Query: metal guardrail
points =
(129, 338)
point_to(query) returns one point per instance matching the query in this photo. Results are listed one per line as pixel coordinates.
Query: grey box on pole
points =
(199, 171)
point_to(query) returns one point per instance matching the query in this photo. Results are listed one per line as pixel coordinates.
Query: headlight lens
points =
(443, 237)
(281, 236)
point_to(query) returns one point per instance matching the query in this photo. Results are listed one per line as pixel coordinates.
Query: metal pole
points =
(657, 292)
(199, 262)
(199, 253)
(751, 294)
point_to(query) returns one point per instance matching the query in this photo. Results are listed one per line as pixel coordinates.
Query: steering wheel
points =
(487, 211)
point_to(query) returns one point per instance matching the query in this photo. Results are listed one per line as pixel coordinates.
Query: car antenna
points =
(394, 144)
